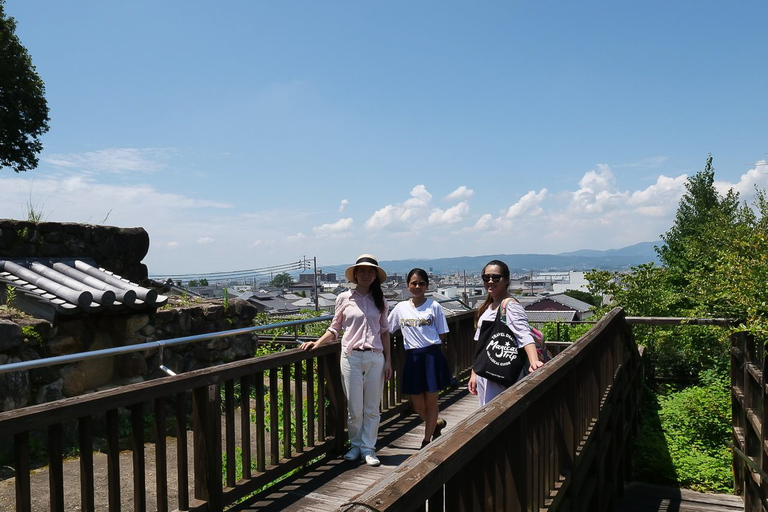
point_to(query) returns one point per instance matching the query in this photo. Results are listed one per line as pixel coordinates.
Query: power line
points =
(254, 272)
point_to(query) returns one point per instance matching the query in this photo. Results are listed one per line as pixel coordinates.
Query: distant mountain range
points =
(586, 259)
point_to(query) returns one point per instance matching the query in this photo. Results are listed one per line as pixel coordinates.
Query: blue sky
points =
(242, 134)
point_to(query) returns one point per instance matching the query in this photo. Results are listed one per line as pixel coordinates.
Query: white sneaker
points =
(353, 453)
(371, 459)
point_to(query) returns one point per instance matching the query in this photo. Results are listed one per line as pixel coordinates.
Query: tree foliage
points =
(23, 108)
(282, 280)
(714, 264)
(583, 296)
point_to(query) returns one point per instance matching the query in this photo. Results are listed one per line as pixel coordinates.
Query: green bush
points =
(697, 428)
(683, 436)
(568, 332)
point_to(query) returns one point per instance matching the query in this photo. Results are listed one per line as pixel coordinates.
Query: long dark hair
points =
(489, 300)
(376, 292)
(419, 272)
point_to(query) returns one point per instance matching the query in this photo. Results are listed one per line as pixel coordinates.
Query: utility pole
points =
(317, 306)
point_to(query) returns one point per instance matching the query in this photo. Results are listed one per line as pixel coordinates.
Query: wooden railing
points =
(561, 439)
(750, 406)
(268, 416)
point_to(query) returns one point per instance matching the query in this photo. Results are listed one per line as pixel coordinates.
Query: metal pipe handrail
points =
(666, 320)
(152, 345)
(159, 344)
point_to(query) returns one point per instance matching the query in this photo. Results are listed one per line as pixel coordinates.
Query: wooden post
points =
(207, 439)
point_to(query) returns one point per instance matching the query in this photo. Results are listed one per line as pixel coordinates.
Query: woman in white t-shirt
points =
(426, 370)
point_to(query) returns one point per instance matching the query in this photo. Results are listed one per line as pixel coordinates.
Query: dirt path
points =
(41, 492)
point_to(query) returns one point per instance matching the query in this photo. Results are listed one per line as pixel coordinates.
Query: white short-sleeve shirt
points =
(421, 326)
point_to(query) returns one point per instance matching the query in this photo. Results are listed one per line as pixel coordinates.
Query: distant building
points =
(561, 302)
(307, 278)
(576, 281)
(269, 303)
(308, 289)
(322, 277)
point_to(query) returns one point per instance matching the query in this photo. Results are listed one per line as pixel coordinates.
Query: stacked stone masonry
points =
(24, 338)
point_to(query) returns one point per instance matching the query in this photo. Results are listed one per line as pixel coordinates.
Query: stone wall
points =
(26, 338)
(118, 249)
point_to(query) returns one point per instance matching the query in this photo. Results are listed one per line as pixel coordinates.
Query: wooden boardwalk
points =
(640, 497)
(332, 483)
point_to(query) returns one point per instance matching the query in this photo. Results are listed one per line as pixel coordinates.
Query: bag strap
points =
(503, 307)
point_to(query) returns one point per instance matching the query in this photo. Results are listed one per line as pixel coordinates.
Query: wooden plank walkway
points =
(332, 483)
(639, 497)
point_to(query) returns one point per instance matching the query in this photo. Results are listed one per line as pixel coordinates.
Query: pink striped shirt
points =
(361, 321)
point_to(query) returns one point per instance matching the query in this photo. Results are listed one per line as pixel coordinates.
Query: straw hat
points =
(365, 260)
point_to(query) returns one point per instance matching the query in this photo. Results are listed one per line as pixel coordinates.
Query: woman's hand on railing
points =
(536, 364)
(322, 340)
(308, 345)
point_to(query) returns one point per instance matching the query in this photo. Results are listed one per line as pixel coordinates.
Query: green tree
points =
(735, 284)
(715, 264)
(583, 296)
(282, 280)
(704, 220)
(203, 282)
(700, 251)
(194, 282)
(23, 108)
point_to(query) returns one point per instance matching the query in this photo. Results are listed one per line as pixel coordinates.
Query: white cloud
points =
(597, 191)
(646, 163)
(529, 206)
(403, 216)
(420, 197)
(757, 176)
(113, 160)
(484, 222)
(461, 193)
(659, 199)
(452, 215)
(341, 227)
(598, 210)
(298, 237)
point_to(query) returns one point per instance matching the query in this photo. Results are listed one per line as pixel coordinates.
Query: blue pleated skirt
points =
(425, 371)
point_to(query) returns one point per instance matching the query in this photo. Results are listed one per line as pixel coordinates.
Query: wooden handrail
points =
(297, 395)
(559, 437)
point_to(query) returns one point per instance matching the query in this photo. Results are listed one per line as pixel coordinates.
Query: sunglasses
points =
(487, 278)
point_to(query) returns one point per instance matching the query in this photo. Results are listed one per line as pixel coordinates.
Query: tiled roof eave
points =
(69, 288)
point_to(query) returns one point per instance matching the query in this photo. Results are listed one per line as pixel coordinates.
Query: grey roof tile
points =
(73, 286)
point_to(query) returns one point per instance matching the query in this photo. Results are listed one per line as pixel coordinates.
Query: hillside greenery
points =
(714, 263)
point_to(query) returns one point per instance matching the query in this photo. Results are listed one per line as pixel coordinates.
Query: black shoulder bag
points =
(497, 356)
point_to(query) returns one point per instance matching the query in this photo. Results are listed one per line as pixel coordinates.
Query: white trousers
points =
(362, 375)
(487, 390)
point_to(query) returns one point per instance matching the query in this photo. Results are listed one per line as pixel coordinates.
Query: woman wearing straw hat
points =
(365, 362)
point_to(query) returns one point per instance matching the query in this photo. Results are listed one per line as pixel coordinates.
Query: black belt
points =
(362, 349)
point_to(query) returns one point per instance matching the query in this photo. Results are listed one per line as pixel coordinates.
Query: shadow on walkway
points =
(332, 482)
